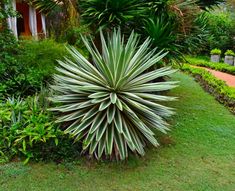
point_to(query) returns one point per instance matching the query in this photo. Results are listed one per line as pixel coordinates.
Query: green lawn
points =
(201, 156)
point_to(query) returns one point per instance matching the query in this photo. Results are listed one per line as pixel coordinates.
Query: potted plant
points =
(229, 57)
(215, 55)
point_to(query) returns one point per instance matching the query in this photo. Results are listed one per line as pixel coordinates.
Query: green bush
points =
(206, 63)
(112, 104)
(24, 124)
(6, 12)
(40, 57)
(28, 131)
(73, 34)
(29, 67)
(221, 27)
(161, 32)
(215, 51)
(194, 40)
(9, 47)
(229, 53)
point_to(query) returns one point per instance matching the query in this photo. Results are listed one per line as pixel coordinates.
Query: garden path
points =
(228, 78)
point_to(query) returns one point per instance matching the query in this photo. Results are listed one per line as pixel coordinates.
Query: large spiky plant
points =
(112, 103)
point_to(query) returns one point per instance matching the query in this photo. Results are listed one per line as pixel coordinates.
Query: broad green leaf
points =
(111, 113)
(113, 97)
(118, 122)
(104, 105)
(97, 122)
(110, 138)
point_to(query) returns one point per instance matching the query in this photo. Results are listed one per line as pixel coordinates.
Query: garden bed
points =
(215, 66)
(222, 93)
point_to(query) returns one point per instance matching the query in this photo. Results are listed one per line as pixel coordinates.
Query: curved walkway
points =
(228, 78)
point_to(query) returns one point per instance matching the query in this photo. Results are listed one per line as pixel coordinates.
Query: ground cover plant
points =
(24, 124)
(198, 154)
(112, 103)
(28, 132)
(203, 61)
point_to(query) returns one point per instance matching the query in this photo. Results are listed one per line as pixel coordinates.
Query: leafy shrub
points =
(181, 31)
(8, 48)
(160, 30)
(215, 51)
(41, 57)
(221, 27)
(229, 53)
(73, 36)
(112, 105)
(29, 68)
(28, 130)
(24, 124)
(196, 39)
(6, 12)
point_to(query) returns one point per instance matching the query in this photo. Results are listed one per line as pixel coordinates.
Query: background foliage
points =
(221, 27)
(26, 66)
(28, 131)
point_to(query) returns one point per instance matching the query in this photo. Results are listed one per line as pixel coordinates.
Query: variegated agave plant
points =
(112, 104)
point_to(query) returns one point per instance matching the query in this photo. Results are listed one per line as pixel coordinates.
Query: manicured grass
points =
(201, 156)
